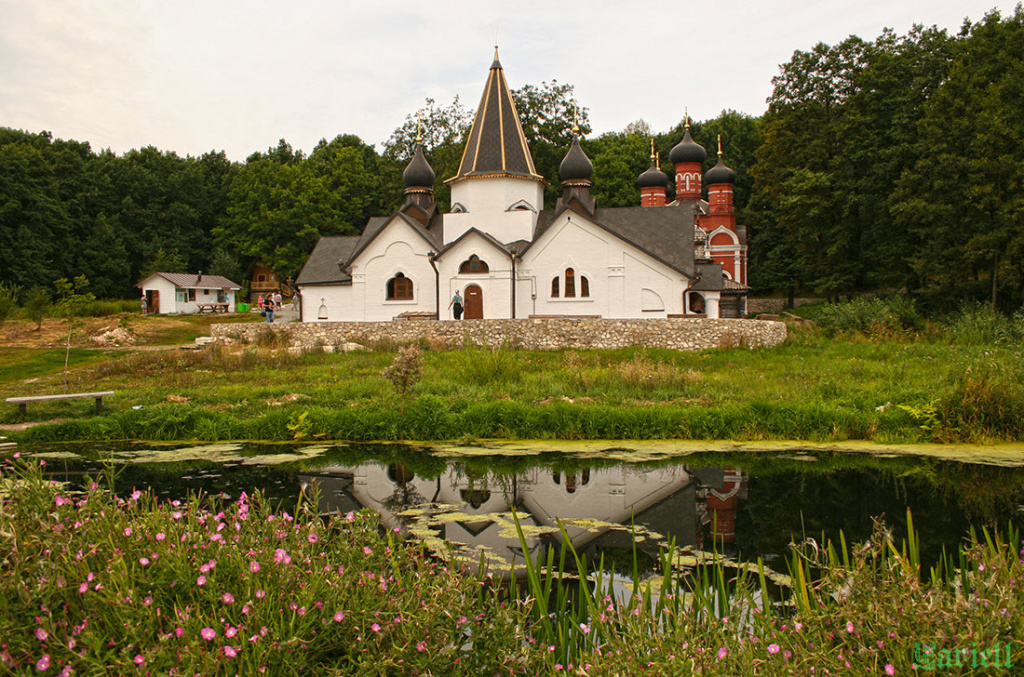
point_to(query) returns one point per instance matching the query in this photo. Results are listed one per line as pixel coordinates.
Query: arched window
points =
(554, 288)
(399, 288)
(474, 265)
(570, 283)
(584, 287)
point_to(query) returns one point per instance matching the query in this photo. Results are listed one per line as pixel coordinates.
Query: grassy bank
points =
(820, 387)
(93, 584)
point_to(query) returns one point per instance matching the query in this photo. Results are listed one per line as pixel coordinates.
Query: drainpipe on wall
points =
(437, 284)
(513, 285)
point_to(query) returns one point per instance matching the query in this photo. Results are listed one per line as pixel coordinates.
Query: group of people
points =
(269, 303)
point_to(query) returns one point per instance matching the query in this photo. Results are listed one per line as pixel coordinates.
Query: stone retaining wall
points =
(535, 334)
(756, 306)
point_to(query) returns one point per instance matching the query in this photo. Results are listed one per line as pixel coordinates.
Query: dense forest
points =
(892, 165)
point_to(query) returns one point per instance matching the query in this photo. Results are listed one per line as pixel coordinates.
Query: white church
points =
(508, 257)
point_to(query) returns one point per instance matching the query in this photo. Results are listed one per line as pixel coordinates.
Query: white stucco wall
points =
(495, 285)
(166, 289)
(487, 201)
(397, 249)
(623, 282)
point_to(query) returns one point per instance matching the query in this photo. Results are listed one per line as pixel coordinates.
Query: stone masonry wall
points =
(756, 306)
(536, 334)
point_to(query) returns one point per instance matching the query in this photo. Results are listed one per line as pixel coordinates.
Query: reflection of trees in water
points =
(405, 494)
(985, 493)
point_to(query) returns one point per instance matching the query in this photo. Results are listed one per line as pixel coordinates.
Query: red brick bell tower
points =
(688, 157)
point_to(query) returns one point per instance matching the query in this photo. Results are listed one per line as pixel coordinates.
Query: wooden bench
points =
(23, 401)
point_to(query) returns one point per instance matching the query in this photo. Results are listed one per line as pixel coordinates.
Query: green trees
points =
(281, 203)
(963, 198)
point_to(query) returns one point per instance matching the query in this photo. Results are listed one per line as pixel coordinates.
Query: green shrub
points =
(874, 316)
(986, 401)
(980, 324)
(37, 305)
(8, 300)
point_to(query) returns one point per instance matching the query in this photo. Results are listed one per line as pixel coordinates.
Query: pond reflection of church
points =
(596, 506)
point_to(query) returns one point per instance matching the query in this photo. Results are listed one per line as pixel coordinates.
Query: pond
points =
(460, 500)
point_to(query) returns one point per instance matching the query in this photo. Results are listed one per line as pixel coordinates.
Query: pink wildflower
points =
(889, 669)
(281, 557)
(849, 627)
(41, 634)
(161, 536)
(179, 631)
(83, 588)
(127, 531)
(227, 598)
(201, 580)
(312, 538)
(421, 646)
(43, 664)
(350, 516)
(231, 631)
(139, 660)
(773, 648)
(144, 561)
(375, 627)
(260, 594)
(254, 566)
(339, 617)
(208, 633)
(722, 653)
(230, 652)
(366, 550)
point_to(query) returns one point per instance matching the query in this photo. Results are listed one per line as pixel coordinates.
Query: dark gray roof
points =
(193, 281)
(496, 145)
(711, 277)
(322, 265)
(666, 233)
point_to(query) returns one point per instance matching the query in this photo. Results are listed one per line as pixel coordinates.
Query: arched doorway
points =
(474, 303)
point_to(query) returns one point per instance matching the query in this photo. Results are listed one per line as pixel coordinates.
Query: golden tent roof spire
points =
(496, 145)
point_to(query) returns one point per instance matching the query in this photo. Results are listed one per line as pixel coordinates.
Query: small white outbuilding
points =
(188, 293)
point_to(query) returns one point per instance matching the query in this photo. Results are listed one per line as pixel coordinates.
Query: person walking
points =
(268, 306)
(278, 299)
(456, 305)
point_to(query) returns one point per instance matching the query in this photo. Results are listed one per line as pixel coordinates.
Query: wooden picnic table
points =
(212, 307)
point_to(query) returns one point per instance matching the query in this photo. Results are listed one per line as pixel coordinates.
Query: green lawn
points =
(811, 388)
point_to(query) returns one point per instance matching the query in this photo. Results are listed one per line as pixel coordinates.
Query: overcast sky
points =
(237, 75)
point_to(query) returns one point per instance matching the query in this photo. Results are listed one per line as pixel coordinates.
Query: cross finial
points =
(419, 135)
(719, 145)
(575, 118)
(652, 149)
(686, 117)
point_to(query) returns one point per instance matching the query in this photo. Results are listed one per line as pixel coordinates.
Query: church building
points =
(508, 257)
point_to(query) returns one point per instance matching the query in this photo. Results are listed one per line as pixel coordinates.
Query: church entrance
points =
(474, 303)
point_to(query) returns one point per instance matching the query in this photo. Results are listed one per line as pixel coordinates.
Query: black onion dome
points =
(687, 150)
(652, 178)
(576, 166)
(720, 174)
(418, 173)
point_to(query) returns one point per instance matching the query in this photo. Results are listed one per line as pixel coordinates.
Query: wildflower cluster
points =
(97, 584)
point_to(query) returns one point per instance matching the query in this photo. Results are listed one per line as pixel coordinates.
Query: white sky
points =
(237, 75)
